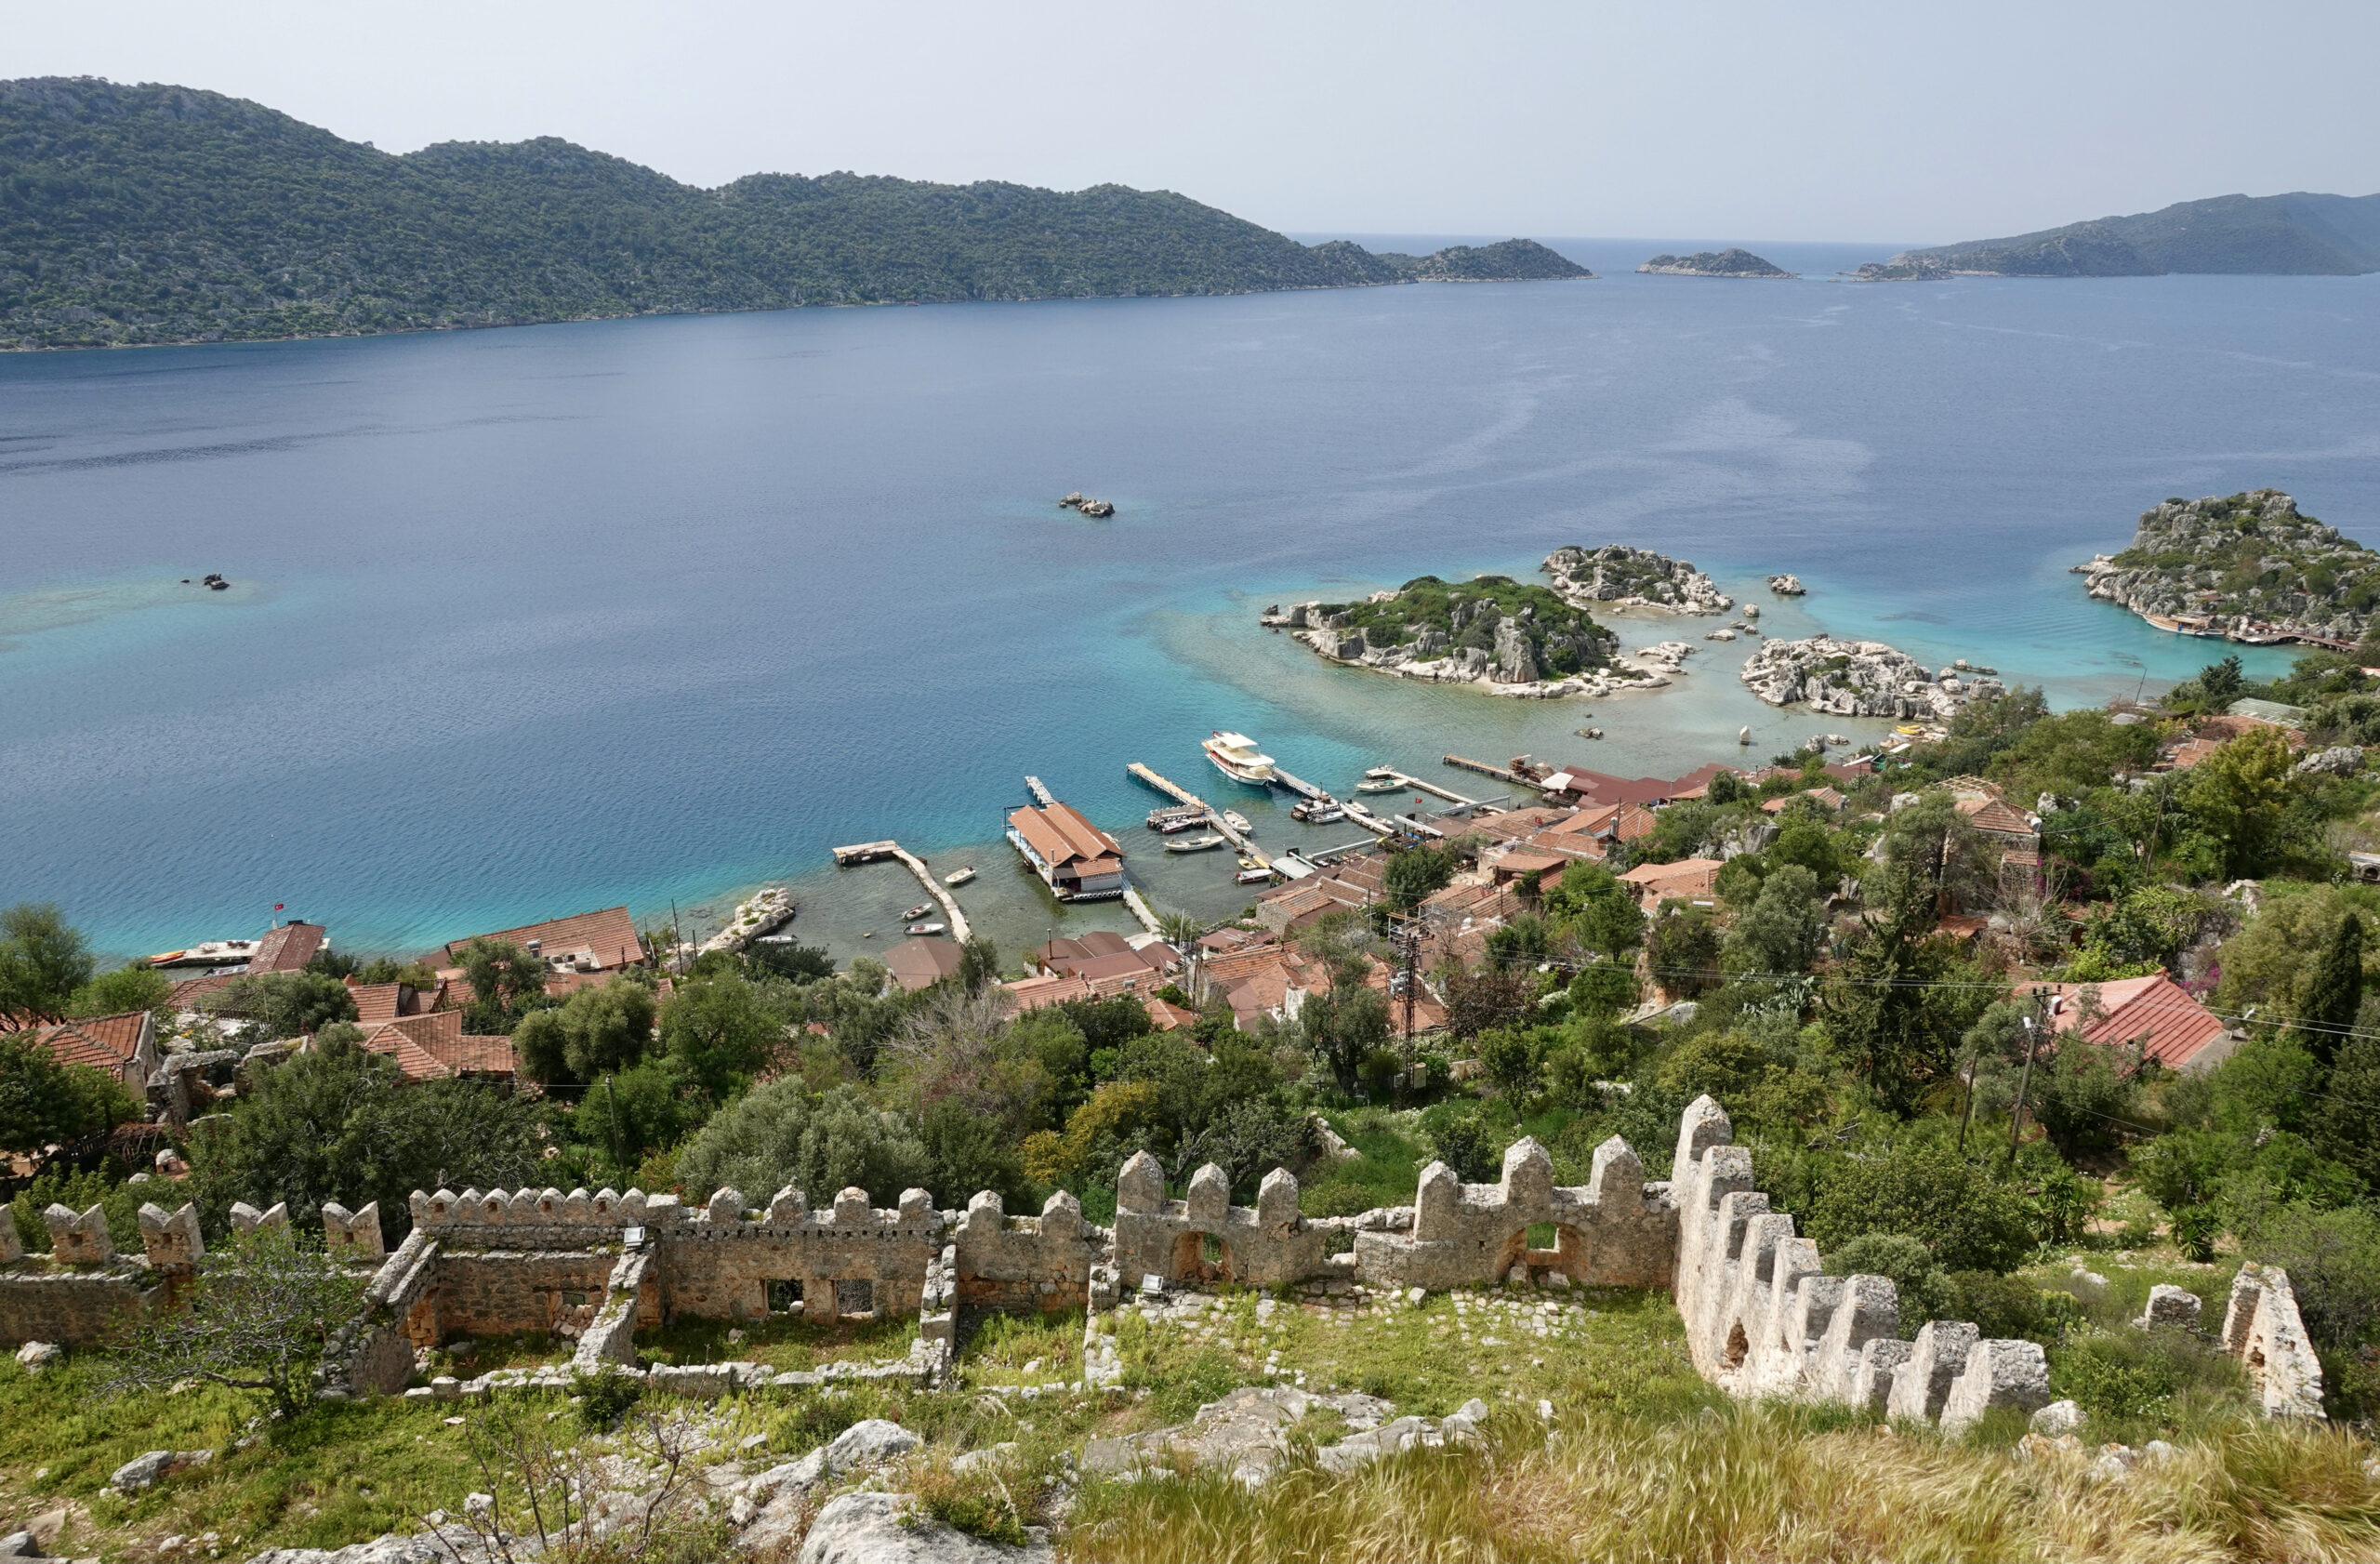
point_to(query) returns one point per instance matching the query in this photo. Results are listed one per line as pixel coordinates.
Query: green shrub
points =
(1955, 1209)
(605, 1397)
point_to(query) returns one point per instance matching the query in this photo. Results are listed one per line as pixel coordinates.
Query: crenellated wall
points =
(1026, 1265)
(1615, 1230)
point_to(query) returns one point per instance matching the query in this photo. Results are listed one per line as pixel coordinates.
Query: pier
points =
(1041, 795)
(1183, 795)
(1302, 789)
(1435, 790)
(1140, 910)
(1484, 769)
(870, 852)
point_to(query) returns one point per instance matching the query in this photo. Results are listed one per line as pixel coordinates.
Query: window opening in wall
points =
(854, 1297)
(1210, 1248)
(574, 1300)
(785, 1297)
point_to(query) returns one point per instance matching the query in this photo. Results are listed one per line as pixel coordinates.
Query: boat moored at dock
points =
(960, 876)
(925, 928)
(1194, 843)
(1238, 822)
(1235, 755)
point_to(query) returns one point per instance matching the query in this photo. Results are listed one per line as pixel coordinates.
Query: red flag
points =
(279, 905)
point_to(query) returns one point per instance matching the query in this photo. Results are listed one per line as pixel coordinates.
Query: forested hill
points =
(162, 214)
(2297, 234)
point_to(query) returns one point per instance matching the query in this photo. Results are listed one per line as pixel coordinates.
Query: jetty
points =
(1500, 773)
(1183, 795)
(1432, 789)
(1041, 795)
(1302, 789)
(762, 914)
(1140, 910)
(870, 852)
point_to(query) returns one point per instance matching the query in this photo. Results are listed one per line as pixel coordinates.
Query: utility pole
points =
(1968, 1116)
(2024, 1084)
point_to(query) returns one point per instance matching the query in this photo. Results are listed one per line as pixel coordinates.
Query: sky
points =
(1710, 119)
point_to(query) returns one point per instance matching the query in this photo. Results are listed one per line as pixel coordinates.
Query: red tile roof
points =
(1033, 993)
(1166, 1015)
(1063, 837)
(2177, 1028)
(434, 1046)
(104, 1042)
(187, 992)
(1685, 877)
(289, 947)
(378, 1002)
(921, 962)
(608, 933)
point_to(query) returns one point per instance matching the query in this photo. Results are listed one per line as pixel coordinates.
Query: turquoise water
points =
(531, 620)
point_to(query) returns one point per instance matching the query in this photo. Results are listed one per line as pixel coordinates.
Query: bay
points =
(532, 620)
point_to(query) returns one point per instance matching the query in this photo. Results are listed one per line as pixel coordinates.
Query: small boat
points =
(1252, 875)
(1317, 811)
(1194, 843)
(925, 928)
(1378, 784)
(1387, 773)
(1238, 822)
(867, 933)
(1744, 736)
(1194, 821)
(959, 877)
(920, 910)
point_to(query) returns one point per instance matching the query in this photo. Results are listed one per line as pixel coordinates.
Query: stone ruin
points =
(1762, 1317)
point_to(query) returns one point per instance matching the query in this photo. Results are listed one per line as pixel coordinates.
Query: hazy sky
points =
(1681, 118)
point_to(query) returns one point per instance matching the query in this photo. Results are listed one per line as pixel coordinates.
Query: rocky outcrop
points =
(2246, 565)
(890, 1529)
(1632, 578)
(1524, 652)
(1729, 262)
(1860, 679)
(1787, 586)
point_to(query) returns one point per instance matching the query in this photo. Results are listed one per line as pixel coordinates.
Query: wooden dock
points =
(1499, 773)
(1181, 794)
(871, 852)
(1302, 789)
(1435, 790)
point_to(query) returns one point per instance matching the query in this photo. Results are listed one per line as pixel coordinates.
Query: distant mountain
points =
(2290, 235)
(162, 214)
(1714, 264)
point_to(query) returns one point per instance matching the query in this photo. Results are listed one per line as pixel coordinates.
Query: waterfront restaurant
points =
(1077, 860)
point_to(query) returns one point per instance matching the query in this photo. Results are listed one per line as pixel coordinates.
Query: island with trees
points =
(2299, 234)
(1729, 262)
(1505, 636)
(157, 214)
(2248, 565)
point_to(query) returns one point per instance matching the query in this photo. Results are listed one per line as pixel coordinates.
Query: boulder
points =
(2170, 1306)
(872, 1442)
(885, 1528)
(2058, 1417)
(33, 1357)
(144, 1472)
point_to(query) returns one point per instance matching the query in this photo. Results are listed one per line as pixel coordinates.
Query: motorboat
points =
(1317, 811)
(1238, 822)
(1379, 785)
(1744, 736)
(1194, 843)
(1171, 822)
(925, 928)
(1254, 874)
(920, 910)
(1235, 755)
(959, 877)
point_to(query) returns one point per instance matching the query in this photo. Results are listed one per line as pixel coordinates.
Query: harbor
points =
(872, 851)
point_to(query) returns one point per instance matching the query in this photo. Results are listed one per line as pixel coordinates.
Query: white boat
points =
(212, 953)
(1384, 773)
(959, 877)
(1235, 755)
(1238, 822)
(925, 928)
(1252, 876)
(920, 910)
(1317, 811)
(1378, 784)
(1194, 843)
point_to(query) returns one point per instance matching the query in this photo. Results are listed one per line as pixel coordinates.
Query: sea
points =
(526, 621)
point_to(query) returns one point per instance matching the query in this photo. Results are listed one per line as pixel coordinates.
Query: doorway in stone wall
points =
(785, 1297)
(1202, 1257)
(856, 1300)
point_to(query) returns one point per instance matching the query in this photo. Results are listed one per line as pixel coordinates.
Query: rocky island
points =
(1506, 636)
(2298, 235)
(1629, 577)
(2247, 566)
(1863, 679)
(1729, 262)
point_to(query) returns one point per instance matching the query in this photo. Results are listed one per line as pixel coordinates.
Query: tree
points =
(283, 1004)
(1180, 928)
(121, 992)
(721, 1031)
(1970, 1222)
(1596, 908)
(796, 963)
(777, 1136)
(504, 980)
(629, 1115)
(2330, 994)
(1784, 929)
(43, 1100)
(257, 1318)
(43, 960)
(2347, 1122)
(1415, 874)
(1487, 997)
(598, 1030)
(2083, 1096)
(1683, 948)
(337, 1123)
(2238, 797)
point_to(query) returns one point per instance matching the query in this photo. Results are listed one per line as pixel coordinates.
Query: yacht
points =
(1235, 756)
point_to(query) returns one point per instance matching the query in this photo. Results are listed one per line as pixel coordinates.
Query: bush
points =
(1469, 1147)
(777, 1136)
(1923, 1287)
(1970, 1222)
(605, 1397)
(2003, 1307)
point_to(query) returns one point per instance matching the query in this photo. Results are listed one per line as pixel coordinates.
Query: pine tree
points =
(2348, 1127)
(2332, 991)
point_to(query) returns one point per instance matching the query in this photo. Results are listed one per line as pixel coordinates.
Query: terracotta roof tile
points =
(610, 934)
(287, 947)
(2176, 1027)
(104, 1042)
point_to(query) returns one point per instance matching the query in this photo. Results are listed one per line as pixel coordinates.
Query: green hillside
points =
(162, 214)
(2296, 234)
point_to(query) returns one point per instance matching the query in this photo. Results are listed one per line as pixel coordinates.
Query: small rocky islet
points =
(1729, 262)
(1863, 678)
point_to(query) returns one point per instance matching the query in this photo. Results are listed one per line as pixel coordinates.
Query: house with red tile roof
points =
(2154, 1014)
(1075, 858)
(288, 947)
(1047, 988)
(1686, 879)
(383, 1001)
(1577, 785)
(923, 962)
(122, 1047)
(434, 1047)
(595, 941)
(1825, 797)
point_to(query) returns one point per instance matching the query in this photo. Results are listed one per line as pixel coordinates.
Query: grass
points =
(1753, 1482)
(1384, 1171)
(783, 1342)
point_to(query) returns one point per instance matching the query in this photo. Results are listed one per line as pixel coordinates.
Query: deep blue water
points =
(537, 619)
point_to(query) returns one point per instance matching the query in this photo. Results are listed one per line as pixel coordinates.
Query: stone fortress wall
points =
(1761, 1316)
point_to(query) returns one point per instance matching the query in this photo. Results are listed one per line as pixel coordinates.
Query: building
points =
(583, 942)
(1577, 786)
(922, 962)
(1689, 879)
(122, 1047)
(2154, 1014)
(1075, 858)
(288, 947)
(434, 1047)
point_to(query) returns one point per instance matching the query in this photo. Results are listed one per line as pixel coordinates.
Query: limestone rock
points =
(1632, 577)
(36, 1356)
(1858, 679)
(2168, 1305)
(144, 1472)
(883, 1529)
(870, 1442)
(2058, 1417)
(2342, 760)
(2181, 565)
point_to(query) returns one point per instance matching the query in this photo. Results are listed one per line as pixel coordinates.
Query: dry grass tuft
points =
(1767, 1483)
